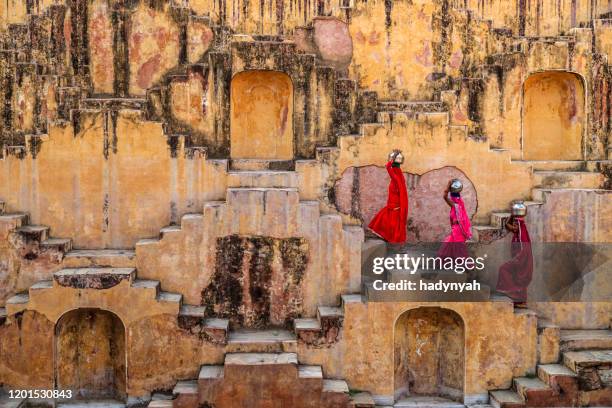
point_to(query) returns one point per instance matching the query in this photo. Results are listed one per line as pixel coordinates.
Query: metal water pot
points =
(519, 209)
(456, 186)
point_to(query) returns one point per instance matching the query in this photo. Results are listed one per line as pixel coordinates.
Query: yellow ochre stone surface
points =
(228, 151)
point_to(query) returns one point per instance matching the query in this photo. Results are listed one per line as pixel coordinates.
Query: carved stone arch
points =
(553, 116)
(90, 354)
(429, 353)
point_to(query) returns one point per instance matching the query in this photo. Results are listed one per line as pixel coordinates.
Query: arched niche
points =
(261, 115)
(429, 356)
(90, 354)
(553, 116)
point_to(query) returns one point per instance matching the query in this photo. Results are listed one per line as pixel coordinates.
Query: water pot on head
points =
(456, 186)
(519, 209)
(396, 157)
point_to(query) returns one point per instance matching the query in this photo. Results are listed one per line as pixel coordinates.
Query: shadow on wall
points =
(362, 191)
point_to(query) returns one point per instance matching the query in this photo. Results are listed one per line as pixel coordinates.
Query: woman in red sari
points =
(515, 275)
(453, 245)
(390, 222)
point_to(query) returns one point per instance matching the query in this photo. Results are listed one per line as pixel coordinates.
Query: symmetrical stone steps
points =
(218, 381)
(90, 278)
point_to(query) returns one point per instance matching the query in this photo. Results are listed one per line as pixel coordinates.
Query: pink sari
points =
(453, 245)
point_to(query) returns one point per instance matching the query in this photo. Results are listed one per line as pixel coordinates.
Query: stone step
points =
(539, 194)
(261, 164)
(553, 165)
(17, 303)
(87, 258)
(327, 312)
(145, 284)
(351, 298)
(185, 388)
(260, 359)
(575, 340)
(568, 179)
(261, 341)
(160, 403)
(262, 178)
(427, 402)
(331, 385)
(306, 325)
(63, 245)
(506, 399)
(93, 278)
(170, 297)
(523, 385)
(547, 372)
(576, 360)
(18, 299)
(34, 232)
(363, 400)
(208, 372)
(41, 285)
(310, 371)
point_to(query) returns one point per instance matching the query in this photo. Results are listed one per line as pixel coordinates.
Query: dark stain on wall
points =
(246, 272)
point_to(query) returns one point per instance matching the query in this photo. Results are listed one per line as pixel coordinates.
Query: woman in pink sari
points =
(461, 228)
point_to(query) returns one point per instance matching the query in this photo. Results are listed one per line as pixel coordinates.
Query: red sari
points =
(390, 222)
(515, 275)
(461, 230)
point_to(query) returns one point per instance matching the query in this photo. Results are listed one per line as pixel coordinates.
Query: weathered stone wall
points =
(365, 354)
(113, 180)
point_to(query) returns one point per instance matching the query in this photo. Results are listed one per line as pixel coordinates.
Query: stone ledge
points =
(93, 278)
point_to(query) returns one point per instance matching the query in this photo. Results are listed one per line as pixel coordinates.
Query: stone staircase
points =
(324, 329)
(576, 372)
(90, 278)
(31, 240)
(244, 375)
(548, 177)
